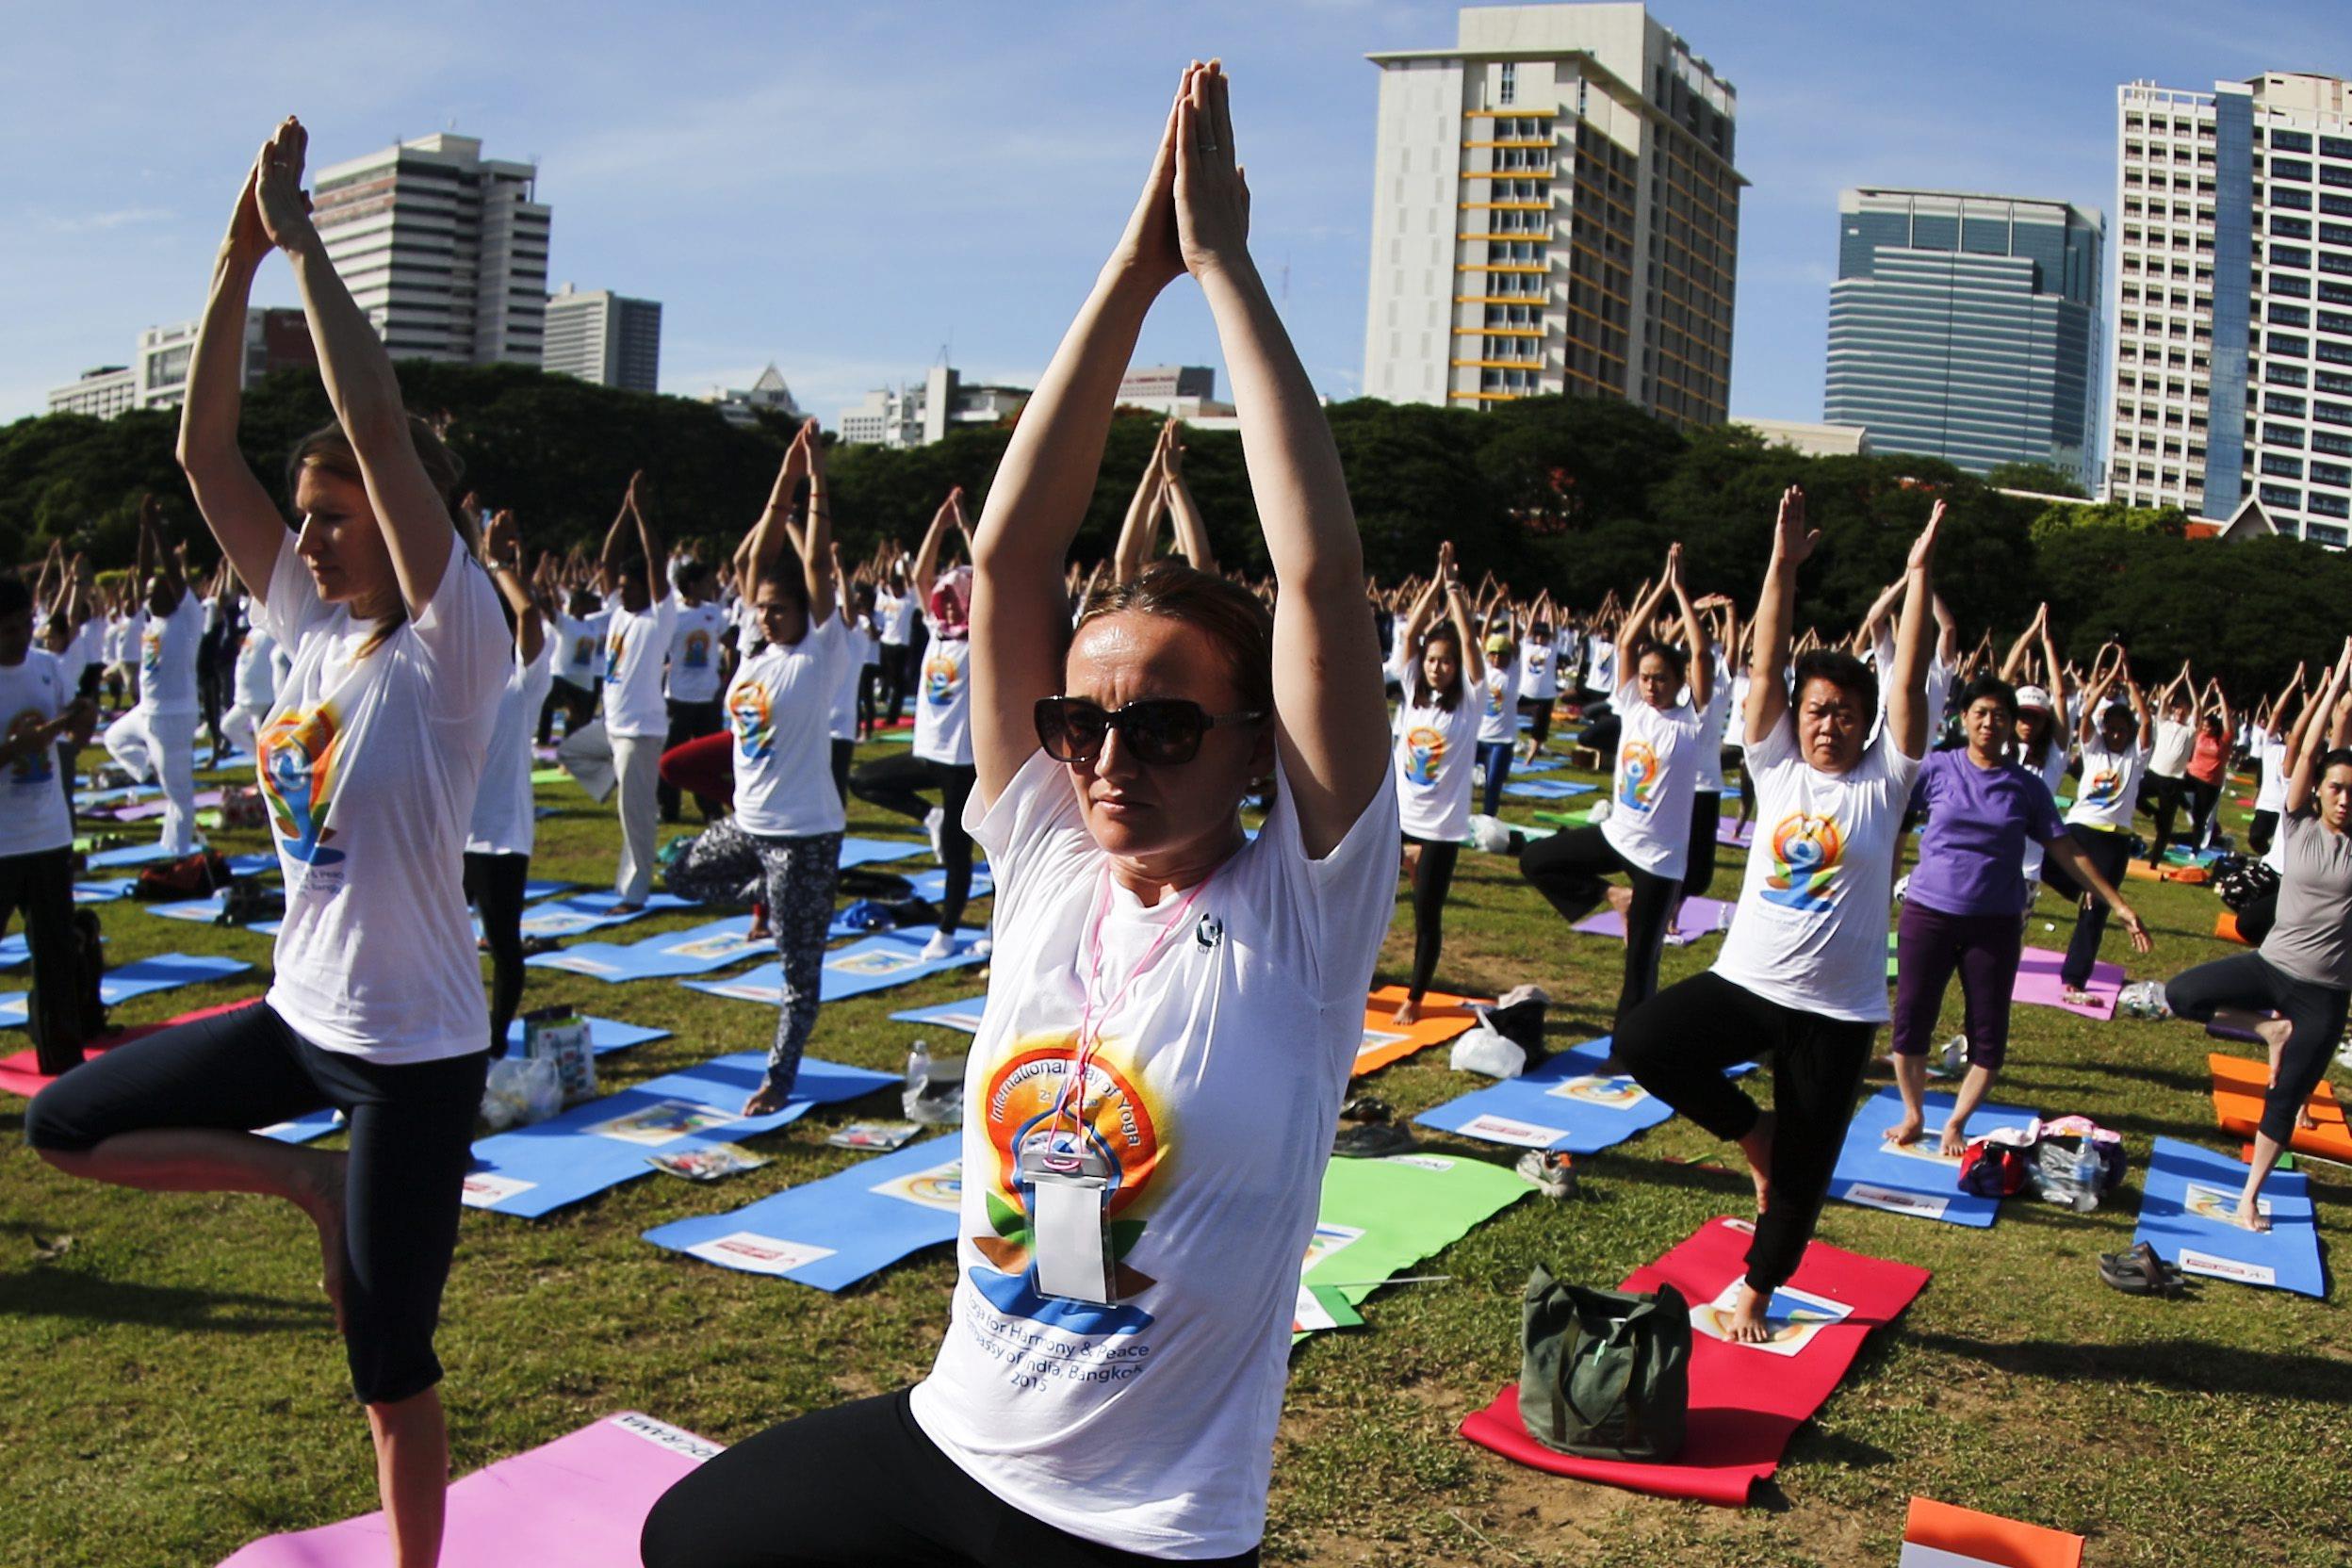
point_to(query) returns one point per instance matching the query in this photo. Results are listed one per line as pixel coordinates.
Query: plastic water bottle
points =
(918, 1078)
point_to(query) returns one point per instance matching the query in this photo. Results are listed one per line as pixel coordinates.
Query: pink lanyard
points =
(1072, 1101)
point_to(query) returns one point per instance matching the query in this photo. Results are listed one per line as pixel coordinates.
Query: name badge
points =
(1073, 1238)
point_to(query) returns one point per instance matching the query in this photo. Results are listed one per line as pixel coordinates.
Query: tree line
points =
(1575, 495)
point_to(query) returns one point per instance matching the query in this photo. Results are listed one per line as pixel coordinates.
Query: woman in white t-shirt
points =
(370, 764)
(1646, 836)
(1497, 690)
(1539, 672)
(1438, 669)
(1802, 973)
(1112, 1373)
(941, 757)
(504, 827)
(2269, 746)
(2115, 742)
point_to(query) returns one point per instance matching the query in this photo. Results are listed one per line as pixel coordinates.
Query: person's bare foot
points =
(2305, 1121)
(1621, 899)
(1954, 1141)
(319, 1195)
(759, 931)
(2250, 1213)
(1758, 1147)
(1746, 1324)
(1905, 1132)
(1408, 1012)
(627, 910)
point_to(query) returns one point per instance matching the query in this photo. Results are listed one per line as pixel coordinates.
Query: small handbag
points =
(1604, 1374)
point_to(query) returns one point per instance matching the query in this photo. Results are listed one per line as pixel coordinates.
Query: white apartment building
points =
(102, 393)
(445, 249)
(921, 413)
(2233, 302)
(1554, 209)
(1186, 392)
(603, 338)
(741, 406)
(275, 339)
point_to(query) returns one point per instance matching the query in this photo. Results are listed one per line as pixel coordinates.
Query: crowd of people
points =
(1098, 730)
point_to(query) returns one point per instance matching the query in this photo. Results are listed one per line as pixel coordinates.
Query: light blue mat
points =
(699, 950)
(2184, 1203)
(875, 964)
(836, 1231)
(964, 1015)
(1872, 1172)
(1546, 788)
(162, 972)
(569, 917)
(1570, 1103)
(604, 1033)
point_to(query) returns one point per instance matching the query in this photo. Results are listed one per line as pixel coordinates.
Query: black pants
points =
(858, 1486)
(495, 883)
(2161, 798)
(1539, 712)
(1698, 871)
(2202, 798)
(2314, 1012)
(1678, 1044)
(2109, 850)
(1433, 876)
(2259, 833)
(895, 784)
(898, 664)
(842, 751)
(411, 1131)
(691, 721)
(578, 704)
(869, 699)
(2257, 918)
(1571, 869)
(41, 885)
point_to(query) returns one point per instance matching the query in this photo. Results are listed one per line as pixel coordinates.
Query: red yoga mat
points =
(22, 1074)
(1744, 1402)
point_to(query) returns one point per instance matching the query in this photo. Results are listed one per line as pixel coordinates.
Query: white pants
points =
(163, 745)
(637, 764)
(243, 725)
(586, 753)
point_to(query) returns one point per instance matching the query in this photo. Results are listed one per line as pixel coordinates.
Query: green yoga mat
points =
(548, 775)
(1381, 1216)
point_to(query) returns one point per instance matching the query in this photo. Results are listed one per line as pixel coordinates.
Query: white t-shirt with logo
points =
(898, 617)
(1714, 720)
(2169, 758)
(842, 717)
(167, 658)
(369, 768)
(777, 709)
(2110, 790)
(505, 819)
(1602, 676)
(1810, 931)
(943, 701)
(1539, 669)
(33, 818)
(2053, 776)
(695, 652)
(1650, 789)
(1432, 751)
(581, 659)
(2271, 794)
(256, 674)
(636, 644)
(1149, 1425)
(1498, 703)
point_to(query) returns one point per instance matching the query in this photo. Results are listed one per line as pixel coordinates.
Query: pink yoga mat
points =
(579, 1502)
(1745, 1403)
(1699, 916)
(2038, 983)
(21, 1073)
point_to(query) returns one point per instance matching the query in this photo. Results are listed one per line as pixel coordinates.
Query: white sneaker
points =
(933, 822)
(942, 945)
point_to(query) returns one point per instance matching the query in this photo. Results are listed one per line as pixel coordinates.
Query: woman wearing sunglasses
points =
(1438, 666)
(1174, 1009)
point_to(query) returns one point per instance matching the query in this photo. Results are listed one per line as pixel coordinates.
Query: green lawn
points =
(171, 1386)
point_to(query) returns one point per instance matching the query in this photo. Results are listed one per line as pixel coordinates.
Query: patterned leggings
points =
(727, 865)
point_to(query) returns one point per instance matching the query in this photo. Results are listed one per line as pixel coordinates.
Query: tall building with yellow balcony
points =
(1554, 209)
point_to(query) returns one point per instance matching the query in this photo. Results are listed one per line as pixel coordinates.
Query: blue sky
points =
(847, 190)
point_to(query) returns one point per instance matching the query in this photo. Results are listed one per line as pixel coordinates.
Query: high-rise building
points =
(2233, 302)
(275, 339)
(102, 393)
(918, 414)
(1967, 327)
(1554, 209)
(445, 249)
(604, 337)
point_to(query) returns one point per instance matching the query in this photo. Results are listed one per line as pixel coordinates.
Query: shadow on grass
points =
(64, 1294)
(2184, 1365)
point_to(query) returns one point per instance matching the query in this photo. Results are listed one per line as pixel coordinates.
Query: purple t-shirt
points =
(1973, 855)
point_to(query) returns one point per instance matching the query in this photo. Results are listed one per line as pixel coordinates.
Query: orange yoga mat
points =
(1442, 1017)
(2238, 1086)
(2225, 927)
(1942, 1534)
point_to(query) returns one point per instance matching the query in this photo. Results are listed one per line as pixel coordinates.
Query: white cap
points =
(2033, 696)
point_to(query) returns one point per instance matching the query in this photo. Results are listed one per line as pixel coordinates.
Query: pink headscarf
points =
(951, 604)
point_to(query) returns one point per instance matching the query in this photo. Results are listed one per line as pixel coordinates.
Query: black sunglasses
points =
(1160, 731)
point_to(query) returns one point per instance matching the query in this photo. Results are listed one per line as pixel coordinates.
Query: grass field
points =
(170, 1386)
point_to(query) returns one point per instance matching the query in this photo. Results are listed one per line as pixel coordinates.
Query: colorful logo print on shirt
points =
(583, 652)
(1636, 776)
(300, 771)
(1424, 754)
(38, 765)
(614, 642)
(1806, 853)
(941, 677)
(697, 650)
(748, 710)
(151, 653)
(2103, 788)
(1122, 1139)
(1493, 694)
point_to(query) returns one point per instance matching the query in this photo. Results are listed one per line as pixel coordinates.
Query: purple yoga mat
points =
(579, 1501)
(149, 809)
(2038, 983)
(1699, 916)
(1732, 831)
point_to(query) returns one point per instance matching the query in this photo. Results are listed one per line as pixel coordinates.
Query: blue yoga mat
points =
(317, 1124)
(1922, 1183)
(534, 892)
(859, 851)
(697, 951)
(1570, 1103)
(535, 1170)
(1546, 788)
(569, 917)
(197, 911)
(875, 964)
(964, 1015)
(835, 1231)
(604, 1033)
(2184, 1187)
(933, 883)
(132, 855)
(15, 950)
(161, 972)
(257, 864)
(1542, 762)
(115, 797)
(105, 890)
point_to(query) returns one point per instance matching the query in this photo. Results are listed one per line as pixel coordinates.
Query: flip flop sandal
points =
(2140, 1272)
(1371, 1141)
(1368, 1108)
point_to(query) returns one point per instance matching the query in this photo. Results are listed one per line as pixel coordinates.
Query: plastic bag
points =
(2142, 998)
(1482, 1050)
(522, 1089)
(561, 1035)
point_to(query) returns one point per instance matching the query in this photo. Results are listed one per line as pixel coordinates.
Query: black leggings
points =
(1678, 1044)
(411, 1143)
(895, 784)
(1698, 871)
(842, 751)
(1432, 876)
(858, 1486)
(2314, 1012)
(578, 704)
(898, 665)
(1570, 869)
(495, 883)
(2257, 836)
(1539, 712)
(41, 885)
(2108, 850)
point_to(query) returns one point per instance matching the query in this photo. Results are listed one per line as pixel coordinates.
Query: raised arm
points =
(1701, 661)
(1907, 717)
(1192, 530)
(819, 566)
(158, 557)
(765, 544)
(2017, 667)
(502, 553)
(1775, 617)
(927, 553)
(649, 544)
(1458, 610)
(2318, 726)
(1141, 530)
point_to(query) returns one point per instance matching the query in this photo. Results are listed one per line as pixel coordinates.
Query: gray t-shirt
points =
(2312, 939)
